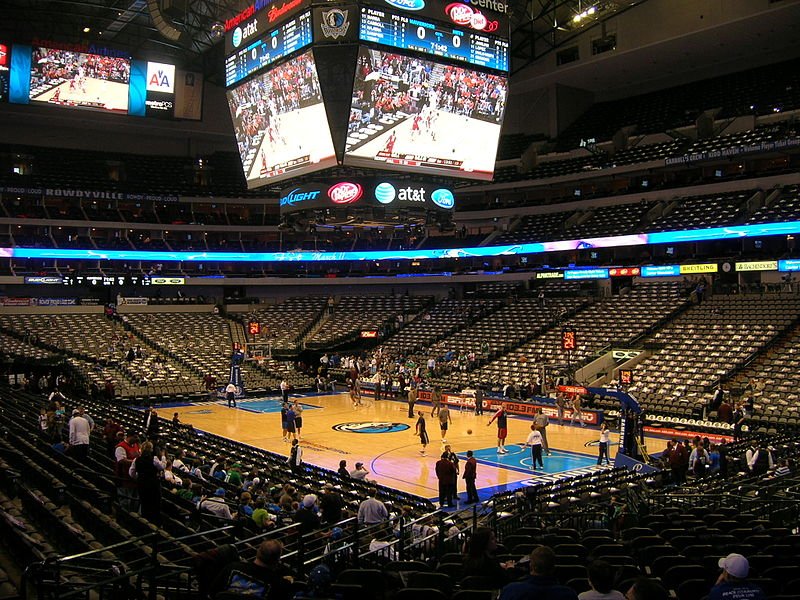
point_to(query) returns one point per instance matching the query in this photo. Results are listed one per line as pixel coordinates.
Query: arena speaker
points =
(164, 28)
(529, 159)
(705, 126)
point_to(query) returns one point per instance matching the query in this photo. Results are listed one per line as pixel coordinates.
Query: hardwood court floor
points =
(393, 457)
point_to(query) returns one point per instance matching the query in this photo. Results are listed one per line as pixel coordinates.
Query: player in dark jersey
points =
(422, 432)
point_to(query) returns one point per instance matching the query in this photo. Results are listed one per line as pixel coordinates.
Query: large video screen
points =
(5, 62)
(79, 80)
(411, 114)
(280, 123)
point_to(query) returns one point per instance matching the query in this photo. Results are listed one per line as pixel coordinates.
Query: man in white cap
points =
(306, 516)
(79, 435)
(732, 583)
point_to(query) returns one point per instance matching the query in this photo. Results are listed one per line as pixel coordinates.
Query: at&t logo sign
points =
(160, 78)
(242, 33)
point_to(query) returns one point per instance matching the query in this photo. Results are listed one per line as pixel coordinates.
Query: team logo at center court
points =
(370, 427)
(335, 23)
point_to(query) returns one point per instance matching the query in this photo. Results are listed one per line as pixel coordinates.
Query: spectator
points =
(372, 511)
(761, 460)
(306, 516)
(261, 516)
(480, 558)
(540, 583)
(359, 472)
(331, 505)
(601, 578)
(146, 471)
(125, 453)
(79, 431)
(266, 577)
(343, 472)
(216, 505)
(645, 588)
(732, 583)
(382, 543)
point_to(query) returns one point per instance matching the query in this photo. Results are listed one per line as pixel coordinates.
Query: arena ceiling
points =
(538, 26)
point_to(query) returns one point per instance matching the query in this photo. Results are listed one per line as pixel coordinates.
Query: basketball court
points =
(108, 95)
(381, 435)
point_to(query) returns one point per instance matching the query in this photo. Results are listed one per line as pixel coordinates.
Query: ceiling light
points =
(87, 29)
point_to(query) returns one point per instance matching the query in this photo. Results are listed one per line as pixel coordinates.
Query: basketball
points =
(469, 431)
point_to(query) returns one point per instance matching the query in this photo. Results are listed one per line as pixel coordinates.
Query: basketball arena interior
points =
(392, 299)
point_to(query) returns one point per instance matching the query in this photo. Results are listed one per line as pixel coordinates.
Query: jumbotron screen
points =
(281, 124)
(411, 114)
(79, 80)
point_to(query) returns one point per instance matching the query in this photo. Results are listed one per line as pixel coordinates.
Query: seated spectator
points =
(266, 577)
(170, 476)
(645, 588)
(382, 543)
(216, 505)
(540, 583)
(343, 472)
(732, 582)
(359, 472)
(480, 558)
(601, 578)
(178, 463)
(306, 516)
(261, 516)
(245, 505)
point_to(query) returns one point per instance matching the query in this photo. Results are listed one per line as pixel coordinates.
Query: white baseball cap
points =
(736, 565)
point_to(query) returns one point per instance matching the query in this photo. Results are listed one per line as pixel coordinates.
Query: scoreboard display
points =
(293, 35)
(419, 35)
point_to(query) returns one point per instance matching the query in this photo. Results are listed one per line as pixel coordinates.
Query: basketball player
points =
(298, 419)
(415, 126)
(389, 148)
(502, 428)
(422, 432)
(444, 421)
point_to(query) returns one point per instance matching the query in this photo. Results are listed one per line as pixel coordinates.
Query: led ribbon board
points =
(716, 233)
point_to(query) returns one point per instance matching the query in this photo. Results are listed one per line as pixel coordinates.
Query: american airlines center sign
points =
(364, 193)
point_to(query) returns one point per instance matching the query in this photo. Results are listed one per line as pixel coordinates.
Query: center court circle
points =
(370, 427)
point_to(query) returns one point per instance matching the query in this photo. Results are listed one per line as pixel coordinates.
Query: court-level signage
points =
(550, 275)
(586, 274)
(624, 272)
(661, 271)
(757, 265)
(701, 268)
(789, 264)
